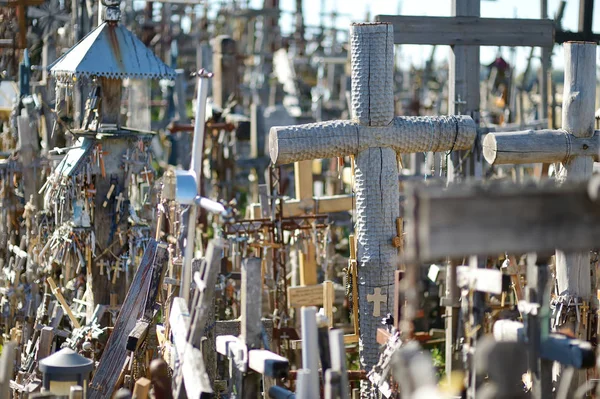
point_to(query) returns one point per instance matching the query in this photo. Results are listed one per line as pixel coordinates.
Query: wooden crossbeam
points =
(484, 220)
(115, 354)
(310, 295)
(474, 31)
(322, 205)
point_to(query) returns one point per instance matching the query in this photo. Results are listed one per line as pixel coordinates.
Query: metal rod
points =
(196, 166)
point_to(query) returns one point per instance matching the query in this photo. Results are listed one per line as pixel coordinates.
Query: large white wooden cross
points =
(465, 32)
(575, 146)
(375, 137)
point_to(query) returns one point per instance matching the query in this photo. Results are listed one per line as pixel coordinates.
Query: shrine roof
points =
(111, 51)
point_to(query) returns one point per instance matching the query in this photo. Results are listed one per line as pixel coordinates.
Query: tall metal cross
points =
(375, 137)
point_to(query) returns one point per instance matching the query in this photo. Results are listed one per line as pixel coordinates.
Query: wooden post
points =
(7, 364)
(76, 392)
(579, 95)
(111, 100)
(328, 299)
(63, 302)
(142, 388)
(338, 359)
(225, 69)
(251, 319)
(310, 351)
(115, 354)
(45, 343)
(463, 98)
(545, 65)
(538, 326)
(28, 150)
(573, 270)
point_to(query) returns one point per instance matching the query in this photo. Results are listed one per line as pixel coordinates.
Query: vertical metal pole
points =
(196, 166)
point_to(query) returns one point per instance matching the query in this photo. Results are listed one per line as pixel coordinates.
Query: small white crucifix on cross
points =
(377, 298)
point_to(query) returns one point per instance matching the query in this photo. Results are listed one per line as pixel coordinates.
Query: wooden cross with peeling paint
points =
(375, 137)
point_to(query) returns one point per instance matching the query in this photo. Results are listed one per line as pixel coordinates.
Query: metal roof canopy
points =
(111, 51)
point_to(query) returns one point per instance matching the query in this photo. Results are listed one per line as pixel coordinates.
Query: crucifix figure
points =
(375, 137)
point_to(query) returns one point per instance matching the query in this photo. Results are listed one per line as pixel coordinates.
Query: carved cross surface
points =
(374, 136)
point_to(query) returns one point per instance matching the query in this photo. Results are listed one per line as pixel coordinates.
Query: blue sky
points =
(356, 10)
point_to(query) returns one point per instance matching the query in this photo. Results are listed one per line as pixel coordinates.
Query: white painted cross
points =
(377, 298)
(375, 137)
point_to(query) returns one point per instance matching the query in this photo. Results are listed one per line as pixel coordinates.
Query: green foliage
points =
(439, 362)
(353, 360)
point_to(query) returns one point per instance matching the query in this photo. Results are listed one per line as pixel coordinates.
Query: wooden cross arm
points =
(195, 378)
(289, 144)
(320, 205)
(557, 347)
(538, 146)
(471, 31)
(268, 363)
(260, 360)
(484, 219)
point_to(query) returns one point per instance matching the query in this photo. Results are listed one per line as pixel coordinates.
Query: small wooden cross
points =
(100, 156)
(377, 298)
(120, 234)
(120, 200)
(108, 195)
(116, 270)
(102, 265)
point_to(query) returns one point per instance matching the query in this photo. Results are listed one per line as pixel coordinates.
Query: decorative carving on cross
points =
(374, 136)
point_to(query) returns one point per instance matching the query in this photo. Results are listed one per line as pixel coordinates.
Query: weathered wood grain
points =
(573, 269)
(7, 364)
(538, 146)
(251, 299)
(475, 31)
(311, 295)
(115, 354)
(194, 375)
(483, 220)
(142, 388)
